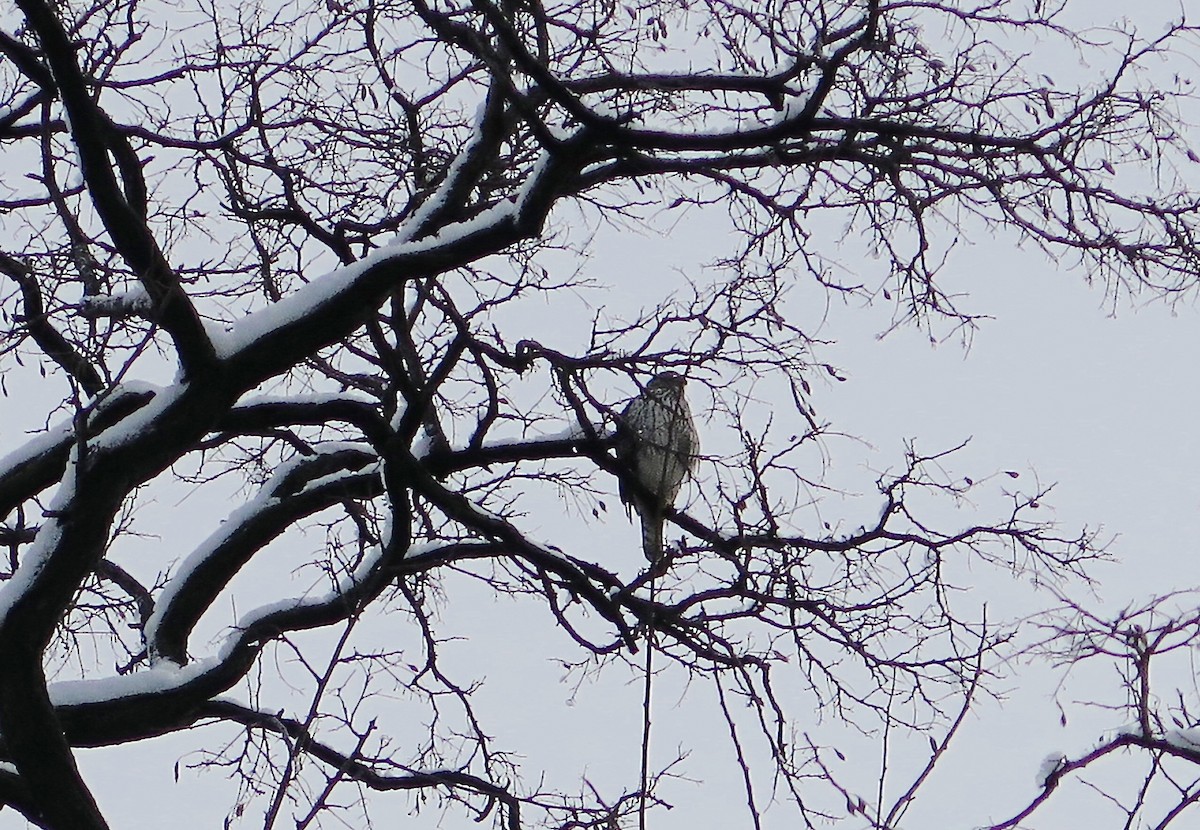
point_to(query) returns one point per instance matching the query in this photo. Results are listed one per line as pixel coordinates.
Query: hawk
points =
(657, 444)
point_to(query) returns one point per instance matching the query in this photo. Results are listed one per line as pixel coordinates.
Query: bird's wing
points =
(627, 451)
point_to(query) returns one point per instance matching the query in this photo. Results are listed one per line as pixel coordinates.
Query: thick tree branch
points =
(313, 484)
(123, 211)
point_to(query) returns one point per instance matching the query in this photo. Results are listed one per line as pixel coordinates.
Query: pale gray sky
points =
(1060, 384)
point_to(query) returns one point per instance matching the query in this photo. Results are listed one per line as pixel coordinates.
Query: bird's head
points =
(666, 380)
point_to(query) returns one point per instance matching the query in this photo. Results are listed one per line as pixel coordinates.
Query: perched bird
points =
(656, 441)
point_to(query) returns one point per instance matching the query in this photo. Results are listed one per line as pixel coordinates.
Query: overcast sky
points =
(1060, 384)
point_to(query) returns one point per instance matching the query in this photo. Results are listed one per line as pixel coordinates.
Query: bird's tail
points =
(652, 538)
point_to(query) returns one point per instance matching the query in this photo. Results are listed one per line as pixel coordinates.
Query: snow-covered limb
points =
(163, 677)
(135, 302)
(1051, 764)
(1184, 738)
(19, 587)
(39, 462)
(301, 487)
(167, 695)
(270, 340)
